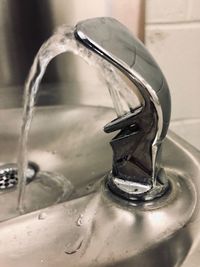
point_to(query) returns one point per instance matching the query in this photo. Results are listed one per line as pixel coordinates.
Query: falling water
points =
(61, 41)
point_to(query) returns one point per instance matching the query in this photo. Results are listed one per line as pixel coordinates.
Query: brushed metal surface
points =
(95, 228)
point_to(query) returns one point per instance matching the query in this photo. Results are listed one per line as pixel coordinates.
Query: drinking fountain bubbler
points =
(137, 148)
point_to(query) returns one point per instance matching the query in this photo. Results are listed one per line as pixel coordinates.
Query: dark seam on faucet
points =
(139, 164)
(134, 59)
(161, 86)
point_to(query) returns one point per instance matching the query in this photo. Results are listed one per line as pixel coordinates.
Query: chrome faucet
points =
(96, 226)
(136, 172)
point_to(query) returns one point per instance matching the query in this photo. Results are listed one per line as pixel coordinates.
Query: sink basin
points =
(94, 227)
(59, 150)
(62, 139)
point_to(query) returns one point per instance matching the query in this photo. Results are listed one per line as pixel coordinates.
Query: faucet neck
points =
(136, 148)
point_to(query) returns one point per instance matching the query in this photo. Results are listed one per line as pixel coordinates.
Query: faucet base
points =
(137, 191)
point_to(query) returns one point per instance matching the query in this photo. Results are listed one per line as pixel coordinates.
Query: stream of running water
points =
(61, 41)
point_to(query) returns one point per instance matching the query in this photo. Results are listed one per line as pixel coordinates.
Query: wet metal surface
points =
(95, 228)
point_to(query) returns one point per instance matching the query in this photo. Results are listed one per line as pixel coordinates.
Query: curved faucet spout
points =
(136, 172)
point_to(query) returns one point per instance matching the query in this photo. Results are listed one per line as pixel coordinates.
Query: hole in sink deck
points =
(43, 189)
(9, 175)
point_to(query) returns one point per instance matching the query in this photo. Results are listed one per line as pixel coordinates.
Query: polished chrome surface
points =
(113, 41)
(137, 147)
(95, 227)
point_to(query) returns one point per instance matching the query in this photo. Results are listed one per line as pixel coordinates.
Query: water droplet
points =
(88, 187)
(79, 222)
(42, 216)
(71, 250)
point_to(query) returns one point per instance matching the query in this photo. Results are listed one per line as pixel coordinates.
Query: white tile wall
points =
(193, 10)
(173, 37)
(166, 10)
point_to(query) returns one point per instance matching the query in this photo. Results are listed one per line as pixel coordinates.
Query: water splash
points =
(73, 249)
(61, 41)
(79, 221)
(42, 216)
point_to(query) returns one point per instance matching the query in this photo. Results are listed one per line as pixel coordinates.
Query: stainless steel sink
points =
(94, 227)
(139, 209)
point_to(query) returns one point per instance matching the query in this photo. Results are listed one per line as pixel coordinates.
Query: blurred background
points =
(170, 30)
(172, 34)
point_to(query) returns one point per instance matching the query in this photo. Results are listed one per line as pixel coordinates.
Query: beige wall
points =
(173, 37)
(127, 11)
